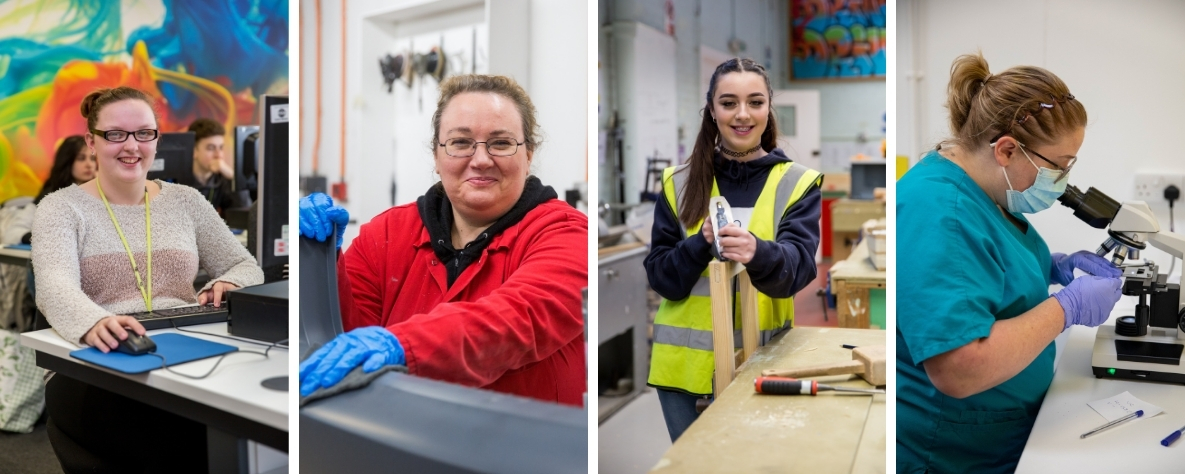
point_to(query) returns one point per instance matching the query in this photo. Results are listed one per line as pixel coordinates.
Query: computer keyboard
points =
(182, 316)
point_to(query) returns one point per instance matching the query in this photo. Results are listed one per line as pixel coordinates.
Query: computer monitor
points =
(269, 231)
(174, 159)
(246, 152)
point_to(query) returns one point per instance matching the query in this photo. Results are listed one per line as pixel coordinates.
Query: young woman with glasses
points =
(479, 281)
(120, 244)
(976, 327)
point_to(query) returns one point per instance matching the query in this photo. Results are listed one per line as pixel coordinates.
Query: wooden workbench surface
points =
(857, 267)
(744, 431)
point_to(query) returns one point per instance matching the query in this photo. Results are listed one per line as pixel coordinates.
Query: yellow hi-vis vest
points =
(682, 357)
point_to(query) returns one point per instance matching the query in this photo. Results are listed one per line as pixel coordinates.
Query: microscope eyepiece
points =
(1092, 207)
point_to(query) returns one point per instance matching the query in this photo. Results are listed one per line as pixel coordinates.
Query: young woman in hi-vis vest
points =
(775, 233)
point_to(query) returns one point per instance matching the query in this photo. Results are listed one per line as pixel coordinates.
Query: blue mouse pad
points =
(176, 349)
(19, 246)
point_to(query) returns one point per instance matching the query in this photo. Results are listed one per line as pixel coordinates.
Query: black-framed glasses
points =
(1062, 171)
(120, 136)
(466, 147)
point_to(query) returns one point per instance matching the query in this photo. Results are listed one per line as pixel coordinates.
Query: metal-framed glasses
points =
(1062, 171)
(120, 136)
(466, 147)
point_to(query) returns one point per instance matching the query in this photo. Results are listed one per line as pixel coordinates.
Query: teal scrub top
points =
(962, 266)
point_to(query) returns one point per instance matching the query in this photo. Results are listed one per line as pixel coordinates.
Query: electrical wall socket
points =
(1150, 187)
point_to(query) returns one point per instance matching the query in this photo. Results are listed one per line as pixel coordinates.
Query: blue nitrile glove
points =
(320, 218)
(371, 347)
(1061, 271)
(1088, 300)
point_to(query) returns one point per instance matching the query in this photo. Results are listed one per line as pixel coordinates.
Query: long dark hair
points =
(699, 183)
(62, 173)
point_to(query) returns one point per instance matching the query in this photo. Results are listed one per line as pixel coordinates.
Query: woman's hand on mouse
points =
(738, 244)
(107, 333)
(219, 290)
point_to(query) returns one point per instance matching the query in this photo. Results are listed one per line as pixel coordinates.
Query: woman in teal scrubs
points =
(975, 318)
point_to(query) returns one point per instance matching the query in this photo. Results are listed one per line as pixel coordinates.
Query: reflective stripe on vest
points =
(682, 355)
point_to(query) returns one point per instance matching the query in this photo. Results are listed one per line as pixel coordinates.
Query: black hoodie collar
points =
(436, 211)
(740, 172)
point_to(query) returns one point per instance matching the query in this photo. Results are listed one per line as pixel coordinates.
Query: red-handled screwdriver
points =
(789, 386)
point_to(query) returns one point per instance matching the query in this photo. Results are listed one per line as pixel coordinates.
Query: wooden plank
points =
(853, 305)
(720, 290)
(749, 321)
(744, 431)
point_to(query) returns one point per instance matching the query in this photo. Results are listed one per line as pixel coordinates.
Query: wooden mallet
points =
(867, 361)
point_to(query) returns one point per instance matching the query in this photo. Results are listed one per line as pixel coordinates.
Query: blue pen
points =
(1113, 423)
(1171, 437)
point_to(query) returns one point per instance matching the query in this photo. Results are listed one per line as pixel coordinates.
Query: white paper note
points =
(1122, 405)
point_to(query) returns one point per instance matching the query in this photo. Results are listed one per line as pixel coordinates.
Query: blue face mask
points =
(1041, 195)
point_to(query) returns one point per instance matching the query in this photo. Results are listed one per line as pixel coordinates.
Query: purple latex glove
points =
(1088, 300)
(372, 347)
(1061, 271)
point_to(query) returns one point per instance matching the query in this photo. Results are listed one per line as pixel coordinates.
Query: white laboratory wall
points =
(1121, 60)
(387, 134)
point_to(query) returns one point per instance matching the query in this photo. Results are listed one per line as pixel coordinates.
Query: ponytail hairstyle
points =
(1029, 103)
(698, 190)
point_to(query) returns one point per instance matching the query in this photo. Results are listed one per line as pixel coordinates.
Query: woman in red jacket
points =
(477, 283)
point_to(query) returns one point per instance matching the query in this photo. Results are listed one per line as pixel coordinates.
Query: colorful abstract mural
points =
(197, 58)
(837, 39)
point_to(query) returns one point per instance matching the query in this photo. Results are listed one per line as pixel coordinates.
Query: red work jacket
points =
(510, 323)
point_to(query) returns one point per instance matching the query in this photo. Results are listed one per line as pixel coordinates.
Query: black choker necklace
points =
(739, 154)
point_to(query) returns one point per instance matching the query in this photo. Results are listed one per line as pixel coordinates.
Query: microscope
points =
(1147, 345)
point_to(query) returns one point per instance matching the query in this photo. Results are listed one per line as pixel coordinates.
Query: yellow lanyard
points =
(146, 294)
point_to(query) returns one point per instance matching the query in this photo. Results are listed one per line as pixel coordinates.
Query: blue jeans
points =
(678, 410)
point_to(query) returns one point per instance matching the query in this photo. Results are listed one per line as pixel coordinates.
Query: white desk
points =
(230, 402)
(15, 256)
(1054, 446)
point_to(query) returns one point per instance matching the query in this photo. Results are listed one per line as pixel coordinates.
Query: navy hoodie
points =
(779, 269)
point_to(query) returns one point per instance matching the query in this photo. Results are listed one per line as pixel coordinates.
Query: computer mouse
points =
(136, 344)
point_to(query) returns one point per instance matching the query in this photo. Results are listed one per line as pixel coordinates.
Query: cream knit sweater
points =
(82, 270)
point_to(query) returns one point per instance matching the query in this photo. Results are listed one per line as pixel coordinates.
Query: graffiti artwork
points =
(210, 58)
(837, 39)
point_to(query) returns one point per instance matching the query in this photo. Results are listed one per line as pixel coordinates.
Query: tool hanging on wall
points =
(431, 64)
(392, 68)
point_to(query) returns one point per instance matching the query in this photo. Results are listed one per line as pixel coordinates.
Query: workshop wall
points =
(851, 111)
(201, 59)
(1131, 88)
(387, 134)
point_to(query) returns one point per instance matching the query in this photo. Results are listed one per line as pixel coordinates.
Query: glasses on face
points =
(120, 136)
(466, 147)
(1062, 171)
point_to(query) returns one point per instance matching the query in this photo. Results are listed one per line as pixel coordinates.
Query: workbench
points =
(1054, 444)
(847, 215)
(743, 431)
(852, 283)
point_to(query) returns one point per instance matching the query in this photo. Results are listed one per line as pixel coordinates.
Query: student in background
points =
(72, 164)
(213, 177)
